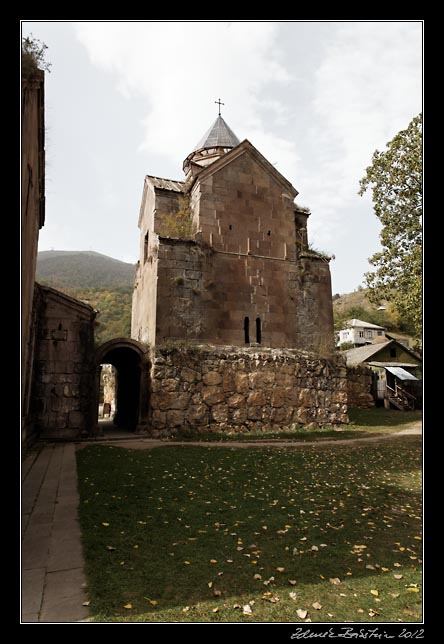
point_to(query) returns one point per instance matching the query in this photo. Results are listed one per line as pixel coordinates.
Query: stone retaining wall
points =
(359, 387)
(229, 389)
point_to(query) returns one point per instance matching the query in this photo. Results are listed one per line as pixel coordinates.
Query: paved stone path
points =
(52, 560)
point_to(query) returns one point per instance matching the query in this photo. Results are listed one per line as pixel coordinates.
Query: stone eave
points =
(67, 300)
(235, 153)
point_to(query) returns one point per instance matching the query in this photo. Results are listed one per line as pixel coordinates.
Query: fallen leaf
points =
(314, 548)
(217, 593)
(335, 581)
(397, 565)
(105, 524)
(110, 548)
(360, 610)
(384, 569)
(247, 609)
(394, 595)
(331, 614)
(398, 576)
(213, 560)
(237, 606)
(317, 606)
(370, 567)
(413, 590)
(128, 606)
(215, 610)
(302, 613)
(185, 609)
(187, 563)
(229, 561)
(292, 596)
(323, 545)
(122, 563)
(372, 612)
(342, 595)
(292, 582)
(280, 569)
(153, 602)
(86, 603)
(375, 592)
(210, 583)
(257, 576)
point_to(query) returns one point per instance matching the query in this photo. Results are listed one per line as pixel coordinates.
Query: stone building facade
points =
(246, 274)
(32, 220)
(63, 379)
(241, 293)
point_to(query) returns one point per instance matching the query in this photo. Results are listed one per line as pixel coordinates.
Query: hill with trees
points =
(103, 282)
(357, 305)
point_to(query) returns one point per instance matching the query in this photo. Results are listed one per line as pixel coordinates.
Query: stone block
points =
(175, 418)
(239, 416)
(241, 381)
(236, 401)
(76, 419)
(213, 395)
(219, 413)
(278, 398)
(256, 398)
(169, 384)
(212, 378)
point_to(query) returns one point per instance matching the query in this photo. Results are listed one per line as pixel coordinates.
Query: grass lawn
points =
(184, 533)
(363, 423)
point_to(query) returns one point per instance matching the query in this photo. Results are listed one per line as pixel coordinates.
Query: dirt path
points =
(150, 443)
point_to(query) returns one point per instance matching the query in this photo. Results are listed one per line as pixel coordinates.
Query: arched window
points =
(247, 330)
(258, 331)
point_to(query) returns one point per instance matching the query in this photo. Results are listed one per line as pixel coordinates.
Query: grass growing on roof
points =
(196, 534)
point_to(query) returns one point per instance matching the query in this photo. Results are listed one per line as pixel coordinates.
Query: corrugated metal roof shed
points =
(401, 373)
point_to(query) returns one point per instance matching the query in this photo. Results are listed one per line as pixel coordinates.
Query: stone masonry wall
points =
(64, 369)
(238, 390)
(359, 387)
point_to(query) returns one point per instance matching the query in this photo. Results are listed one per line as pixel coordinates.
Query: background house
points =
(358, 332)
(396, 373)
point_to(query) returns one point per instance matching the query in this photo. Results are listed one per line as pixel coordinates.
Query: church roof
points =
(219, 135)
(166, 184)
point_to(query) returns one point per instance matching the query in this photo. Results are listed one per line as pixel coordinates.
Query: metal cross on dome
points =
(219, 103)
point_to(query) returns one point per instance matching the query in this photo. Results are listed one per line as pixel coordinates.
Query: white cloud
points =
(367, 88)
(180, 68)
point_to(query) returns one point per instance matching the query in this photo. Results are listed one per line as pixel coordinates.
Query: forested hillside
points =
(103, 282)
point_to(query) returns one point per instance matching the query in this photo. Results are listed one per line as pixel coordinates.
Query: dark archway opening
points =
(126, 362)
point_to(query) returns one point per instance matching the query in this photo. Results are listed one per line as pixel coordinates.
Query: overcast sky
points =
(126, 99)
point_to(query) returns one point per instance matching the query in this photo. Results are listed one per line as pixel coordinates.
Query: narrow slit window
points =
(258, 331)
(247, 330)
(145, 247)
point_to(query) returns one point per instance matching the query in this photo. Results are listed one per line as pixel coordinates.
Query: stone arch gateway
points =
(131, 360)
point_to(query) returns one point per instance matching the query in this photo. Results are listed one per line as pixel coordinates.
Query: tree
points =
(395, 178)
(33, 56)
(178, 225)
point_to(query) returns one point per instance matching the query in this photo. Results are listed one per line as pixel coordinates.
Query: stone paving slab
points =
(53, 581)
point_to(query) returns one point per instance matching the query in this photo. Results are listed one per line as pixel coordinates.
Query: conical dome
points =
(219, 135)
(218, 140)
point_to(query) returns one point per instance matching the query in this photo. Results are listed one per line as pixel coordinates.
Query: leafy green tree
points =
(395, 179)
